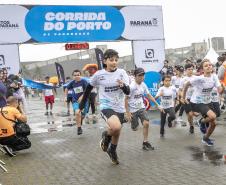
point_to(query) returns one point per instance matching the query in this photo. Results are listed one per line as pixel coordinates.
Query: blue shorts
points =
(75, 106)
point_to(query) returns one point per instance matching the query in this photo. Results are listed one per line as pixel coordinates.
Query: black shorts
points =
(202, 108)
(69, 99)
(140, 114)
(187, 107)
(107, 113)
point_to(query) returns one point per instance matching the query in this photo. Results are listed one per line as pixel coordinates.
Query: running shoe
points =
(207, 141)
(191, 130)
(170, 124)
(147, 146)
(105, 141)
(202, 126)
(113, 156)
(162, 131)
(79, 130)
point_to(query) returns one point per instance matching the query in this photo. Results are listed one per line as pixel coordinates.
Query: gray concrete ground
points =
(59, 156)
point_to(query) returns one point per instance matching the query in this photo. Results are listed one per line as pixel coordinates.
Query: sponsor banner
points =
(12, 28)
(9, 58)
(74, 23)
(143, 22)
(149, 54)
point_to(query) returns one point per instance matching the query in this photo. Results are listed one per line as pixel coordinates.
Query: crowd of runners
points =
(195, 88)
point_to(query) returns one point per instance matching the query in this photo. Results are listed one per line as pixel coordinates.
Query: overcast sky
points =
(185, 22)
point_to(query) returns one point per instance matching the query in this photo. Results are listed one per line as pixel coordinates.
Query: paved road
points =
(59, 156)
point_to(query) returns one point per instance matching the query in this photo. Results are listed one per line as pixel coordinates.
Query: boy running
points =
(78, 86)
(113, 85)
(135, 108)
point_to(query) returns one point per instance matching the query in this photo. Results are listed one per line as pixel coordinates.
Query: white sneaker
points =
(9, 151)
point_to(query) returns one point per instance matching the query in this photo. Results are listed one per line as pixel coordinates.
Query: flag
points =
(36, 85)
(60, 73)
(100, 58)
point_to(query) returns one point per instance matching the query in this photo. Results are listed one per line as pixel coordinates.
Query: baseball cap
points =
(139, 70)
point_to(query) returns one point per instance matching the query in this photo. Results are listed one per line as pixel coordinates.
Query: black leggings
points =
(92, 101)
(16, 142)
(171, 117)
(181, 108)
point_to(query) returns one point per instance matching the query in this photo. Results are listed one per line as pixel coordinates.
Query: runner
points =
(186, 103)
(113, 84)
(135, 108)
(49, 97)
(69, 96)
(176, 81)
(201, 98)
(168, 95)
(78, 86)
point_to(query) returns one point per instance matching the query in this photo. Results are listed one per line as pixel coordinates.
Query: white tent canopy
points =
(212, 56)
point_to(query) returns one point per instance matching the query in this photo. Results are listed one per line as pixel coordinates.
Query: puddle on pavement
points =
(69, 119)
(62, 114)
(48, 126)
(155, 121)
(207, 154)
(68, 125)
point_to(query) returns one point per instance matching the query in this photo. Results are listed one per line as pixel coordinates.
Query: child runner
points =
(186, 103)
(168, 94)
(113, 84)
(135, 108)
(49, 97)
(201, 98)
(78, 86)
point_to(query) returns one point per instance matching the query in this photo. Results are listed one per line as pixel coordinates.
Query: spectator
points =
(220, 61)
(3, 91)
(8, 138)
(221, 70)
(69, 95)
(167, 69)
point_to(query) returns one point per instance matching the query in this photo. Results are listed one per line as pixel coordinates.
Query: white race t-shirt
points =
(176, 81)
(137, 92)
(110, 95)
(48, 92)
(203, 87)
(168, 96)
(215, 97)
(190, 89)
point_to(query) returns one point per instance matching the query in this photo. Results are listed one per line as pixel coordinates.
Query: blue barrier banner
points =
(36, 85)
(74, 23)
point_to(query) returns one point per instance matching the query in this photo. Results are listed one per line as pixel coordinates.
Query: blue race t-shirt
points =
(77, 88)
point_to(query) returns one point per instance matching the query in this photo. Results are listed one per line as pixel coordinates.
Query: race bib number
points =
(78, 90)
(165, 103)
(139, 105)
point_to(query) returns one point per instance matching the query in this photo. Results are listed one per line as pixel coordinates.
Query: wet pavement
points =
(59, 156)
